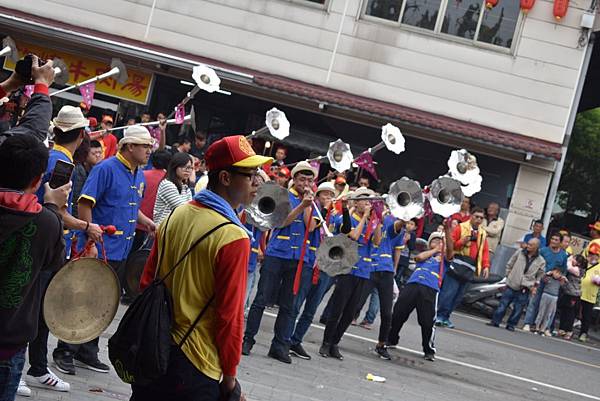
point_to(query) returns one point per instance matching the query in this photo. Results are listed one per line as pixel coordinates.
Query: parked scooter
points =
(484, 294)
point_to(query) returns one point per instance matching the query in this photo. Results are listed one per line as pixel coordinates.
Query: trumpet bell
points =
(122, 76)
(445, 196)
(206, 78)
(340, 156)
(336, 255)
(463, 167)
(473, 187)
(61, 70)
(393, 138)
(270, 207)
(277, 123)
(13, 52)
(405, 199)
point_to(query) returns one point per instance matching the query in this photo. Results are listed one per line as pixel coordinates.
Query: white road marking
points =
(467, 365)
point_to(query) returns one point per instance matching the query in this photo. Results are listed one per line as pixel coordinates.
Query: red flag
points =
(87, 92)
(365, 160)
(179, 113)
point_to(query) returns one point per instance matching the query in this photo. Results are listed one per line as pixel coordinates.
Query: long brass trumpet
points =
(118, 69)
(276, 123)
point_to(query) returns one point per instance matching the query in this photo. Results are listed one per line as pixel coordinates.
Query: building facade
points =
(449, 73)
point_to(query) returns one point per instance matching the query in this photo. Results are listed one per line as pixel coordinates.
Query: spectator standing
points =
(538, 227)
(160, 162)
(463, 215)
(568, 303)
(212, 276)
(471, 250)
(174, 189)
(199, 144)
(595, 235)
(28, 228)
(364, 182)
(86, 157)
(493, 226)
(553, 280)
(280, 156)
(554, 256)
(589, 290)
(566, 242)
(108, 140)
(524, 270)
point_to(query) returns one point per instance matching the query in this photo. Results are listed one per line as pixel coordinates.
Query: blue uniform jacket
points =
(56, 154)
(364, 266)
(383, 255)
(286, 242)
(116, 191)
(427, 273)
(254, 246)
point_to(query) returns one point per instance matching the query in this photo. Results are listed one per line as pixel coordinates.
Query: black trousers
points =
(38, 348)
(424, 299)
(586, 316)
(384, 282)
(344, 302)
(567, 307)
(182, 382)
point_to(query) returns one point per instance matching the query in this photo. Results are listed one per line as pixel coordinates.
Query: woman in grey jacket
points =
(569, 300)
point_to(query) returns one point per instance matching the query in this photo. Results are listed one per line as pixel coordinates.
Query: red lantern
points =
(491, 4)
(560, 8)
(527, 5)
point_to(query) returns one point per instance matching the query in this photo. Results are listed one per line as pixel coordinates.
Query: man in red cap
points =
(595, 235)
(212, 276)
(108, 140)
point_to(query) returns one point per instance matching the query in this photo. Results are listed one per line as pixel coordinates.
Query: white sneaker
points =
(23, 390)
(526, 328)
(49, 381)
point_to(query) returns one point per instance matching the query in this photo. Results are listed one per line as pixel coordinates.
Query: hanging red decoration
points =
(491, 4)
(527, 5)
(560, 9)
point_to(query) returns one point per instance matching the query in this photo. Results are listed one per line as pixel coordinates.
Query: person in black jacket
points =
(31, 241)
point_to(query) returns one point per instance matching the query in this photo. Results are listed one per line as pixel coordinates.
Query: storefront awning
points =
(17, 21)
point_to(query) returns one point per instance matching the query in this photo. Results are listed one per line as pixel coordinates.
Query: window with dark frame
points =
(468, 19)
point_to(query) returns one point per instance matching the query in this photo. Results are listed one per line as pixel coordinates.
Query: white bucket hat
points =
(70, 118)
(304, 166)
(137, 135)
(363, 191)
(326, 186)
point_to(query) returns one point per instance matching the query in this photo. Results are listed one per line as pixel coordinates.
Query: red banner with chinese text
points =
(137, 88)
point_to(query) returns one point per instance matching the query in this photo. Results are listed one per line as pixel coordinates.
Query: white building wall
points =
(528, 91)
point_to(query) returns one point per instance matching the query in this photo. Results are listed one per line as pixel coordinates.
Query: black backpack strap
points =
(199, 240)
(187, 333)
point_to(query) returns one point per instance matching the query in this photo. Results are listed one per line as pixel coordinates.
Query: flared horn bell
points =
(336, 255)
(9, 49)
(445, 196)
(61, 71)
(340, 156)
(270, 207)
(405, 199)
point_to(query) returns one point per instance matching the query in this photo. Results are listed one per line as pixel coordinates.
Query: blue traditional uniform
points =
(56, 154)
(116, 190)
(364, 266)
(383, 254)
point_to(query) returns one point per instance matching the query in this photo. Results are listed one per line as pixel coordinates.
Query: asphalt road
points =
(474, 362)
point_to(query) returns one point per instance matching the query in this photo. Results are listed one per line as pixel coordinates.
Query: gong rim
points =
(81, 300)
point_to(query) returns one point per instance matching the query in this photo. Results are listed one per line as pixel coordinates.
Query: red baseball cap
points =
(284, 171)
(233, 151)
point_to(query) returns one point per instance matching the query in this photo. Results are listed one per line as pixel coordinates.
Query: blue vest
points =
(383, 255)
(56, 154)
(286, 242)
(364, 266)
(116, 192)
(427, 273)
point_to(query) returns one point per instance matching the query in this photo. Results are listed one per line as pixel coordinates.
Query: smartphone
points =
(61, 175)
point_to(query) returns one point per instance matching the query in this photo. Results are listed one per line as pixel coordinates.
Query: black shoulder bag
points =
(463, 267)
(140, 348)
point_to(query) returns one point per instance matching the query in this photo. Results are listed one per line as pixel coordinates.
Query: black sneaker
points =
(429, 357)
(324, 350)
(285, 358)
(298, 350)
(246, 348)
(323, 320)
(64, 364)
(92, 364)
(334, 352)
(383, 352)
(510, 328)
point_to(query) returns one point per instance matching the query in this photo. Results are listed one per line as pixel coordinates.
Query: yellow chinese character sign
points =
(137, 88)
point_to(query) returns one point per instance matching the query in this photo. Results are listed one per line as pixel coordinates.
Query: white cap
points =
(363, 191)
(304, 166)
(137, 135)
(326, 186)
(70, 118)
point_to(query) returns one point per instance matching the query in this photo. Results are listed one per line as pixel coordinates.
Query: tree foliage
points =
(580, 180)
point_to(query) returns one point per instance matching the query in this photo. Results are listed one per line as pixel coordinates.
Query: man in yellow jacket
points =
(589, 289)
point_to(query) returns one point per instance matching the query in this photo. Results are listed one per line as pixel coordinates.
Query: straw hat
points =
(70, 118)
(137, 135)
